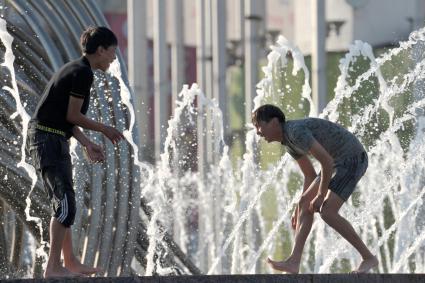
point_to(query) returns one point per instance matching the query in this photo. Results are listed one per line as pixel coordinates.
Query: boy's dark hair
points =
(267, 112)
(93, 37)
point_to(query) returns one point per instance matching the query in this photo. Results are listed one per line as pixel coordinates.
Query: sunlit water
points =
(220, 220)
(20, 110)
(387, 209)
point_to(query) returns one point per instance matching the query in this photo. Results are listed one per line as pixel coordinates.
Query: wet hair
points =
(267, 112)
(93, 37)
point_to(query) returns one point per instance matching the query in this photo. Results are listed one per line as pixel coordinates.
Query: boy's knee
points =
(326, 214)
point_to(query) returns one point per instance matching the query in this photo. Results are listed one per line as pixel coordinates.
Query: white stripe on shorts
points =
(64, 206)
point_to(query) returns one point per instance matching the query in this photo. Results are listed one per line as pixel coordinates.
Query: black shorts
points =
(347, 173)
(50, 157)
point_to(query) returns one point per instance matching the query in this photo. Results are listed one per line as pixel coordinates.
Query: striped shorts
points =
(347, 174)
(58, 184)
(50, 156)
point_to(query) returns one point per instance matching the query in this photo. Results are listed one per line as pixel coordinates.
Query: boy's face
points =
(106, 57)
(271, 131)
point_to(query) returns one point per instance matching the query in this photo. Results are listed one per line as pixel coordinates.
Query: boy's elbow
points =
(328, 164)
(71, 118)
(331, 162)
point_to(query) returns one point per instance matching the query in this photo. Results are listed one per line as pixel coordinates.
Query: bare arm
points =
(309, 175)
(74, 116)
(326, 163)
(80, 136)
(93, 152)
(308, 171)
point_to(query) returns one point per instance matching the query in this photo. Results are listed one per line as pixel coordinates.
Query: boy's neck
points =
(92, 61)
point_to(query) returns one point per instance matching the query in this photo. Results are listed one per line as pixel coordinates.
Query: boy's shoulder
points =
(307, 127)
(301, 124)
(311, 123)
(77, 65)
(78, 68)
(296, 129)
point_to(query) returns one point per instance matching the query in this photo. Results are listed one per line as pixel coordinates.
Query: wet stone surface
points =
(260, 278)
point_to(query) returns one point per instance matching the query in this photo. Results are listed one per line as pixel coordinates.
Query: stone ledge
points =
(259, 278)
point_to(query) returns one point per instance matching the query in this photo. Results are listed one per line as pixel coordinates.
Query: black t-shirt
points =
(73, 79)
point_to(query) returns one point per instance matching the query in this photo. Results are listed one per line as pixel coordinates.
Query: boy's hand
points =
(112, 134)
(94, 152)
(316, 203)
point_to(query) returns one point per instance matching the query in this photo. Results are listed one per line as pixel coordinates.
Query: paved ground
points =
(302, 278)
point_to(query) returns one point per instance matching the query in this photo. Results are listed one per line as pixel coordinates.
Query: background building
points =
(379, 22)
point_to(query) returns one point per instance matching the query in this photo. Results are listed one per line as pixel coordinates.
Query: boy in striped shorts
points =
(343, 162)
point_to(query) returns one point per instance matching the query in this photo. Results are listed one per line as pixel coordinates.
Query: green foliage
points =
(236, 98)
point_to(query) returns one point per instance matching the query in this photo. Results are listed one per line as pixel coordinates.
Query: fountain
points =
(108, 231)
(139, 219)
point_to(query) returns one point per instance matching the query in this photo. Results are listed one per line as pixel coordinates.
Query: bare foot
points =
(60, 272)
(78, 267)
(367, 264)
(287, 266)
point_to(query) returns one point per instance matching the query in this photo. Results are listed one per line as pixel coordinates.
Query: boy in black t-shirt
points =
(58, 116)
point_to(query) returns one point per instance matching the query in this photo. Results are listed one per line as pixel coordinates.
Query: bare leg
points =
(54, 267)
(71, 261)
(330, 215)
(302, 230)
